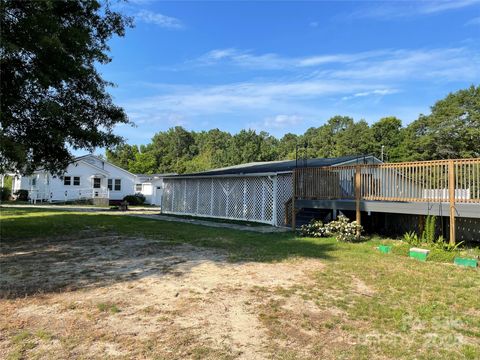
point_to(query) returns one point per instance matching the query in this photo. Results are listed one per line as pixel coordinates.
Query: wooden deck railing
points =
(453, 181)
(423, 181)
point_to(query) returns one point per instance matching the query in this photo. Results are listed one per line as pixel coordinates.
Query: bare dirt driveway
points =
(127, 297)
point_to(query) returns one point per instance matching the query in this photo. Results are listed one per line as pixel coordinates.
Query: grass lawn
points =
(104, 285)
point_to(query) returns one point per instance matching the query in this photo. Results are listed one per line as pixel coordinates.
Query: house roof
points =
(277, 166)
(83, 157)
(155, 175)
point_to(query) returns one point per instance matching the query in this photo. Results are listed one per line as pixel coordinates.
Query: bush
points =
(5, 194)
(342, 229)
(21, 195)
(428, 238)
(314, 229)
(137, 199)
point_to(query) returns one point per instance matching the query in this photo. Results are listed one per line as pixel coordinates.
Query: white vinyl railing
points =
(67, 195)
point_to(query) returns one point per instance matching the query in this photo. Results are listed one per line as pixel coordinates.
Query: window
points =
(110, 186)
(76, 180)
(96, 183)
(138, 187)
(34, 181)
(67, 180)
(118, 184)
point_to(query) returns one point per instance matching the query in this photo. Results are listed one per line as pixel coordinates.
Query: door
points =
(158, 195)
(97, 185)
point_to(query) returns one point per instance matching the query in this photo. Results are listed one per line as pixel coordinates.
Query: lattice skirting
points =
(250, 198)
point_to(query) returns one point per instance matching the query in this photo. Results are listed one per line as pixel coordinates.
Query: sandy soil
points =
(116, 297)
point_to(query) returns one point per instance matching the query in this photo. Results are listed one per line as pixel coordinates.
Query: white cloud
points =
(449, 64)
(407, 9)
(248, 59)
(440, 63)
(377, 92)
(430, 7)
(312, 85)
(161, 20)
(282, 121)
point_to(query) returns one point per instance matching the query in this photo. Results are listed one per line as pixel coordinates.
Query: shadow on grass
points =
(67, 251)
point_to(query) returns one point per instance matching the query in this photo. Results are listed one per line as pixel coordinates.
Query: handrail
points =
(420, 181)
(453, 181)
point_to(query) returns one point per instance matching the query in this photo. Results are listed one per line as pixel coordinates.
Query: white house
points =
(151, 186)
(87, 177)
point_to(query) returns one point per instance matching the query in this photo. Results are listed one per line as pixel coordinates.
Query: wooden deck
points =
(444, 187)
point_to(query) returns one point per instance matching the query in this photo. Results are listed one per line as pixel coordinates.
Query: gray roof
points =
(155, 175)
(278, 166)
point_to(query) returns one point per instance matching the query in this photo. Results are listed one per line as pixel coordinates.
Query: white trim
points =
(107, 162)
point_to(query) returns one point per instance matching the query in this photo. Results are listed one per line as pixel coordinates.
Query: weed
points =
(108, 307)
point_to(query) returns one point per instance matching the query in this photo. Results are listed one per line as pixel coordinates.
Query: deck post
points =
(358, 179)
(451, 197)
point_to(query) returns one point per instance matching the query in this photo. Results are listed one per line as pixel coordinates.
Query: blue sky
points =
(286, 66)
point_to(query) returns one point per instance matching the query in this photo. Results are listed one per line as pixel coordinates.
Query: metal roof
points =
(154, 176)
(276, 166)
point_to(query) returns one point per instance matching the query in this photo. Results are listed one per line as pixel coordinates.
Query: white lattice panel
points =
(284, 193)
(249, 198)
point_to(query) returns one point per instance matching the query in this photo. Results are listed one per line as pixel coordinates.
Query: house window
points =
(76, 180)
(138, 187)
(109, 184)
(34, 181)
(67, 180)
(118, 184)
(96, 183)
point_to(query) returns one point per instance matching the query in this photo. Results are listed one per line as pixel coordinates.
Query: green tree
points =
(53, 98)
(287, 146)
(388, 132)
(172, 149)
(452, 130)
(144, 163)
(122, 155)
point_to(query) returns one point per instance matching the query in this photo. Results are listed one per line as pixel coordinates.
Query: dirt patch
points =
(131, 297)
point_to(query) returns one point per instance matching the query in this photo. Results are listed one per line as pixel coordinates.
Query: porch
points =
(443, 188)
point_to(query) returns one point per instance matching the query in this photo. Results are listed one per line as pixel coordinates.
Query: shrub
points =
(428, 238)
(21, 195)
(314, 229)
(137, 199)
(411, 238)
(5, 194)
(343, 229)
(428, 234)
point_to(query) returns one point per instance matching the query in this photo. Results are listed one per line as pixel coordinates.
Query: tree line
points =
(451, 130)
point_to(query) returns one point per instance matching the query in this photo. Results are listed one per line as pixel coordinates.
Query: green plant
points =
(21, 195)
(411, 238)
(444, 245)
(428, 238)
(108, 307)
(343, 229)
(314, 229)
(5, 194)
(136, 199)
(428, 234)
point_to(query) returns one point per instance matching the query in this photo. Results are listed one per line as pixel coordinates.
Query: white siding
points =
(50, 187)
